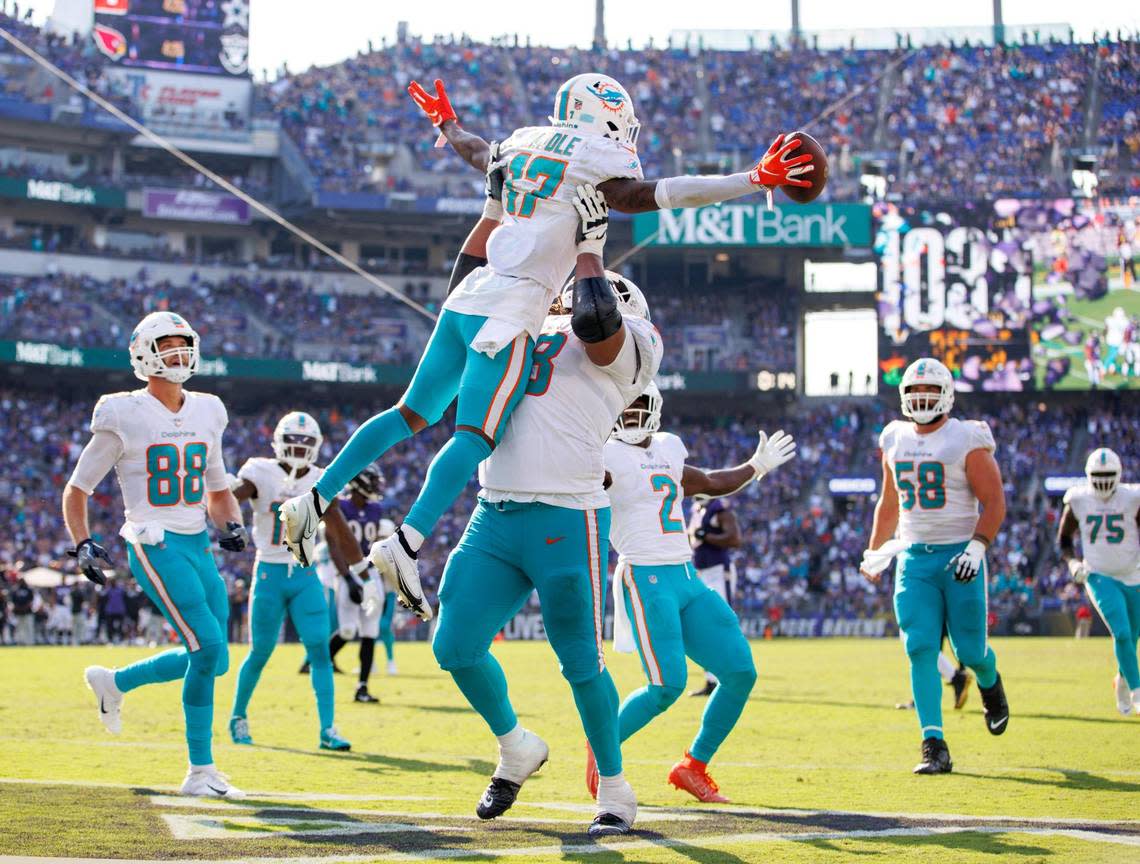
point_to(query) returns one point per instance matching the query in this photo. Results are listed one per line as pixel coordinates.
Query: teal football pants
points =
(1119, 606)
(928, 601)
(507, 551)
(279, 589)
(387, 635)
(674, 615)
(488, 390)
(180, 577)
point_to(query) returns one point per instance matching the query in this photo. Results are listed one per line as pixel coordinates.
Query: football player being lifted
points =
(1105, 513)
(656, 589)
(280, 586)
(165, 444)
(937, 469)
(501, 287)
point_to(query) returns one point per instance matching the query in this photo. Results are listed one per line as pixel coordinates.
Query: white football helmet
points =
(596, 103)
(925, 408)
(149, 362)
(1103, 469)
(630, 299)
(636, 423)
(297, 440)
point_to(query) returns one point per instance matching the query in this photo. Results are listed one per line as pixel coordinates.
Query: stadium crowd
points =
(801, 545)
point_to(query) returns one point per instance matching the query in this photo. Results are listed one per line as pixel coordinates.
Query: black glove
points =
(234, 538)
(93, 560)
(355, 589)
(700, 533)
(496, 175)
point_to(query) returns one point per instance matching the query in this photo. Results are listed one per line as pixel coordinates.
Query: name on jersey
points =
(561, 143)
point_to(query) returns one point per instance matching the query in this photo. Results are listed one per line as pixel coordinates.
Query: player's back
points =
(274, 486)
(936, 504)
(1110, 540)
(553, 442)
(647, 524)
(543, 168)
(166, 455)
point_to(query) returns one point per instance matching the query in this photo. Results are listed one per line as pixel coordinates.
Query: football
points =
(818, 177)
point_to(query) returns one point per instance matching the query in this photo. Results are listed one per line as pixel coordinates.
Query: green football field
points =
(1090, 315)
(819, 769)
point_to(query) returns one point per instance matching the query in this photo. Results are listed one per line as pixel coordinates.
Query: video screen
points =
(204, 36)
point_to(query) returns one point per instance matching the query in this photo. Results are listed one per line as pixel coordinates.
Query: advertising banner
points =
(752, 224)
(190, 205)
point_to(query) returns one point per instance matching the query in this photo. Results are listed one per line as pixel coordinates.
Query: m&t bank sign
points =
(753, 224)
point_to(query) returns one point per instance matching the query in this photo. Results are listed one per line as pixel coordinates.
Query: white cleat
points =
(1123, 695)
(300, 517)
(101, 681)
(392, 670)
(401, 572)
(616, 808)
(206, 781)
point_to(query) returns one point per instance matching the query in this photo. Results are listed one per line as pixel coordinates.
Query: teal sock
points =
(1125, 648)
(641, 706)
(321, 676)
(248, 676)
(379, 433)
(167, 666)
(446, 478)
(199, 733)
(926, 686)
(387, 635)
(198, 701)
(485, 687)
(597, 701)
(986, 671)
(722, 711)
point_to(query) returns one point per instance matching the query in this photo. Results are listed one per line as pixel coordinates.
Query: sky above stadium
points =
(302, 33)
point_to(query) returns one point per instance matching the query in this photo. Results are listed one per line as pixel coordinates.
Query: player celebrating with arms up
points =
(1106, 512)
(674, 614)
(165, 444)
(936, 470)
(280, 586)
(501, 289)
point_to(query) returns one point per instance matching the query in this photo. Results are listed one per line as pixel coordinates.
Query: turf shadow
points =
(1071, 779)
(963, 841)
(384, 763)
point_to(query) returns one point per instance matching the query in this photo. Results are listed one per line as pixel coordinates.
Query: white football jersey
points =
(536, 240)
(274, 486)
(647, 524)
(1110, 542)
(551, 450)
(326, 570)
(936, 504)
(170, 459)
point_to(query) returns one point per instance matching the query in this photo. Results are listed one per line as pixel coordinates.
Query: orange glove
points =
(779, 168)
(438, 107)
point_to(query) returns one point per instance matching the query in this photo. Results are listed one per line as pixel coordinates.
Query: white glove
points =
(233, 481)
(967, 564)
(372, 599)
(595, 214)
(1078, 570)
(875, 561)
(772, 452)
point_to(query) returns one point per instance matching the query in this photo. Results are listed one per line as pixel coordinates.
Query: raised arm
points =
(778, 167)
(770, 454)
(471, 148)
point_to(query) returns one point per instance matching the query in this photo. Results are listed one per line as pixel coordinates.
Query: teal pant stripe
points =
(179, 575)
(680, 617)
(929, 601)
(279, 589)
(1119, 606)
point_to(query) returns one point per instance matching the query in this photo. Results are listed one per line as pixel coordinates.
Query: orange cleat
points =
(692, 776)
(591, 772)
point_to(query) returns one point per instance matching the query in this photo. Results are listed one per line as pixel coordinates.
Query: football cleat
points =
(208, 782)
(239, 730)
(996, 707)
(516, 763)
(1123, 695)
(101, 681)
(616, 809)
(591, 772)
(392, 670)
(362, 695)
(692, 776)
(706, 690)
(300, 517)
(935, 758)
(401, 571)
(497, 798)
(331, 740)
(961, 683)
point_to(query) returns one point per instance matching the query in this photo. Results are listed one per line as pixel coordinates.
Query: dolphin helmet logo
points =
(611, 97)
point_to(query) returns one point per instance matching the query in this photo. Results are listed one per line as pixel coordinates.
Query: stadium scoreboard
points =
(203, 36)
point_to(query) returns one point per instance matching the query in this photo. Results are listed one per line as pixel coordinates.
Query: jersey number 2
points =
(166, 484)
(669, 523)
(543, 170)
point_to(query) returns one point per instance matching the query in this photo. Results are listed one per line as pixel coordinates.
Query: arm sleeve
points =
(1068, 499)
(610, 160)
(673, 192)
(215, 477)
(248, 471)
(99, 456)
(981, 437)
